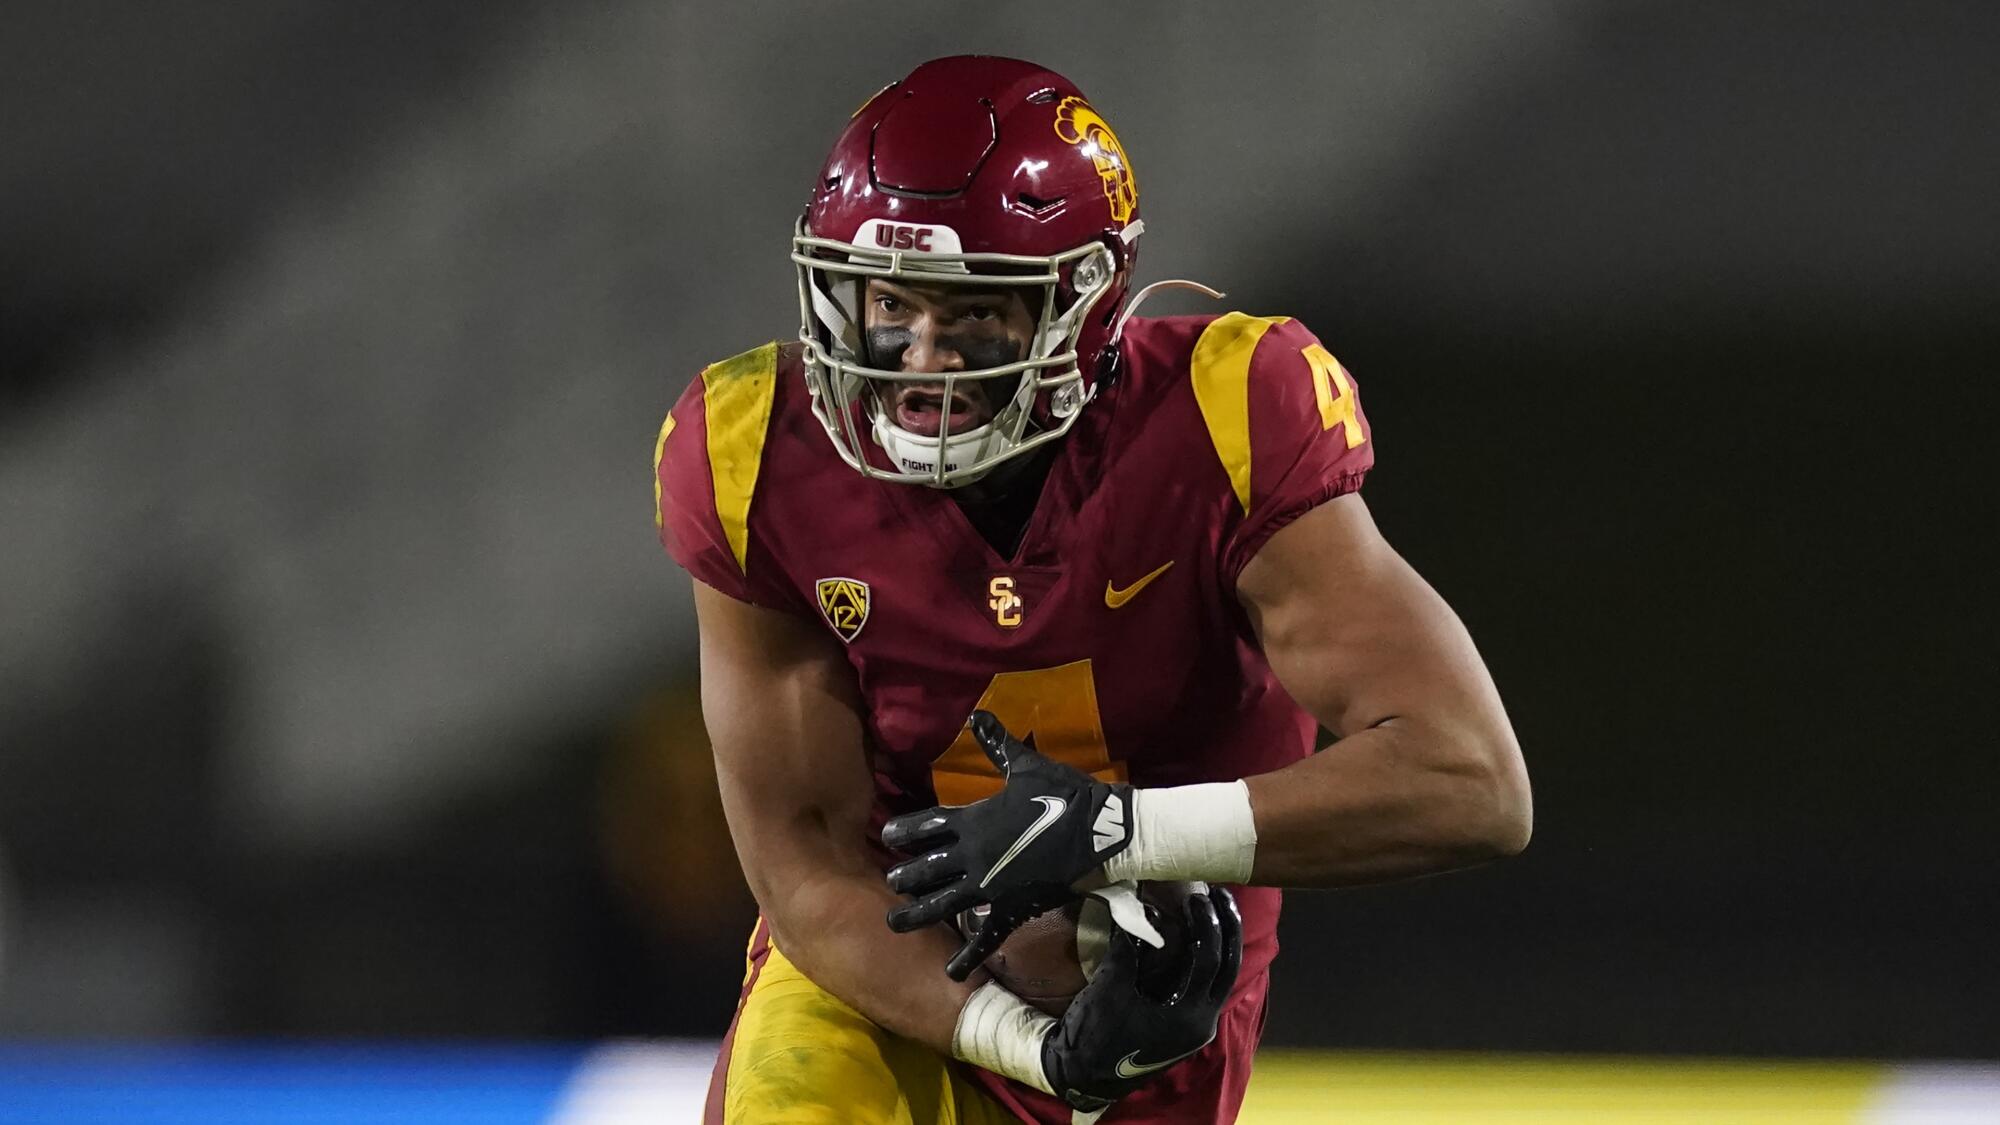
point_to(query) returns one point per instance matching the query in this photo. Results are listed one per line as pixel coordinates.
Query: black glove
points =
(1146, 1009)
(1020, 850)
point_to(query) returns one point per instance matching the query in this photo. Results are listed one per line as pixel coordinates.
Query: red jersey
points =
(1113, 635)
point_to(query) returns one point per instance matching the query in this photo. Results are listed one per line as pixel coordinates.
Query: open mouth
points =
(921, 409)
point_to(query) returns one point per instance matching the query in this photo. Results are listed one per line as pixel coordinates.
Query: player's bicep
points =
(1355, 634)
(784, 717)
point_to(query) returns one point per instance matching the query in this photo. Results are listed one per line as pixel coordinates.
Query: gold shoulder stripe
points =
(1220, 369)
(736, 402)
(659, 453)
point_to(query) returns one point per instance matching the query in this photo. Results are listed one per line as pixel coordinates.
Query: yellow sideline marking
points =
(1295, 1087)
(1220, 369)
(736, 401)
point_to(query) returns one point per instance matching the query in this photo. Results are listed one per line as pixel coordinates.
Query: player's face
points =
(939, 328)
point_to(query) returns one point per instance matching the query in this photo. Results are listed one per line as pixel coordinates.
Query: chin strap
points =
(1132, 306)
(1109, 359)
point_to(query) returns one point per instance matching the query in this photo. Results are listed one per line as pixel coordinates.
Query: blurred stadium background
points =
(350, 764)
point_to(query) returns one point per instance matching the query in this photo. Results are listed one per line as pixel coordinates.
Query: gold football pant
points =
(796, 1055)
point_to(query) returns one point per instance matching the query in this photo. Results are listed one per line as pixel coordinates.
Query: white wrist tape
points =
(1189, 832)
(1000, 1032)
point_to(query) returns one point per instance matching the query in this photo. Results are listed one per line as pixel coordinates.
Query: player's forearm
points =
(1395, 801)
(834, 932)
(1400, 799)
(830, 926)
(786, 729)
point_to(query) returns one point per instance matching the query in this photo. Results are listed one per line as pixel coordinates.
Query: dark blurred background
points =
(344, 690)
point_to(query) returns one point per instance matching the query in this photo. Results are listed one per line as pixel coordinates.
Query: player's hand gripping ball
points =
(1021, 851)
(1042, 961)
(1144, 1008)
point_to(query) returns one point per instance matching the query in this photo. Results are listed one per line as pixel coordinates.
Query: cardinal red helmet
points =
(972, 169)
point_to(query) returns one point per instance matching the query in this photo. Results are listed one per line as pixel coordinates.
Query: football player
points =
(1009, 593)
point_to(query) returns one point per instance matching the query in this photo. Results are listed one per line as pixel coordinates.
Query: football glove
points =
(1021, 851)
(1146, 1009)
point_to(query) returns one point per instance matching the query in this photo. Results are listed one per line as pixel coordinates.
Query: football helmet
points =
(973, 170)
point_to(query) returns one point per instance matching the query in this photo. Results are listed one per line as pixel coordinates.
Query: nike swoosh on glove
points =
(1146, 1009)
(1020, 851)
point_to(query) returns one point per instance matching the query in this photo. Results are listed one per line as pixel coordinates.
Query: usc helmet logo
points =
(1078, 124)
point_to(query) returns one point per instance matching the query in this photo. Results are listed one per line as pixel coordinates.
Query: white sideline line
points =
(1937, 1094)
(633, 1082)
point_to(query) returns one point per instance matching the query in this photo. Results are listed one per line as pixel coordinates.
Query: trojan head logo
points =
(1081, 125)
(844, 604)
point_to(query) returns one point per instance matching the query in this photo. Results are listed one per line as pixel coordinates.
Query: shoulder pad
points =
(736, 404)
(1269, 392)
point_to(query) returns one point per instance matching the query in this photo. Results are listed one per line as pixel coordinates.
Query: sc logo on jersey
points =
(1004, 602)
(844, 604)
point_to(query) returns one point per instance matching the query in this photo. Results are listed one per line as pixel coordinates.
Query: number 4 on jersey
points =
(1057, 706)
(1335, 409)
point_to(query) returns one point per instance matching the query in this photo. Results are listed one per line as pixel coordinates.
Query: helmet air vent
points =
(1035, 205)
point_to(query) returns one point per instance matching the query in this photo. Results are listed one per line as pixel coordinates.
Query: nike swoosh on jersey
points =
(1052, 810)
(1114, 597)
(1130, 1067)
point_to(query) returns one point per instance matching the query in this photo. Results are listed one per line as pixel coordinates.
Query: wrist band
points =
(1189, 832)
(1000, 1032)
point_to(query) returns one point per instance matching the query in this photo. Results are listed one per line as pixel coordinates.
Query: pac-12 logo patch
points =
(844, 604)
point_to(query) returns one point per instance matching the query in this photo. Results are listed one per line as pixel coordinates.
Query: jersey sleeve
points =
(706, 461)
(1286, 420)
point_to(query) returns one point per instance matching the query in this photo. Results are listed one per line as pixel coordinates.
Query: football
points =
(1039, 961)
(1047, 961)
